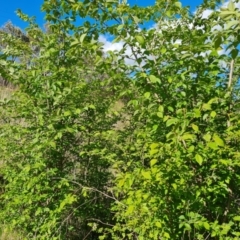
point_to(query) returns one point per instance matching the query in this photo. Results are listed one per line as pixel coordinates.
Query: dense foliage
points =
(140, 143)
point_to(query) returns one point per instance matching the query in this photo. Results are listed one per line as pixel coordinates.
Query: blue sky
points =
(32, 8)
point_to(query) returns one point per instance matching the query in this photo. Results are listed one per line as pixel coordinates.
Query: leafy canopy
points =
(95, 147)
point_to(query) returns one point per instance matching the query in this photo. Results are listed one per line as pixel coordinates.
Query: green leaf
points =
(67, 113)
(206, 106)
(136, 19)
(212, 145)
(163, 50)
(236, 218)
(153, 152)
(161, 108)
(187, 136)
(120, 27)
(199, 159)
(213, 114)
(154, 79)
(231, 6)
(183, 94)
(154, 145)
(170, 79)
(147, 95)
(232, 23)
(171, 121)
(160, 114)
(195, 128)
(166, 235)
(218, 42)
(82, 37)
(146, 174)
(91, 106)
(178, 4)
(206, 225)
(130, 209)
(158, 224)
(197, 113)
(77, 111)
(52, 144)
(117, 39)
(226, 13)
(207, 137)
(153, 162)
(218, 140)
(191, 149)
(234, 53)
(140, 39)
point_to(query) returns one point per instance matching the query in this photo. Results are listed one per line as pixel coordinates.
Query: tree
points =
(54, 160)
(171, 170)
(180, 181)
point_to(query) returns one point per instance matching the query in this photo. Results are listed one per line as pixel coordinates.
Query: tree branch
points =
(230, 86)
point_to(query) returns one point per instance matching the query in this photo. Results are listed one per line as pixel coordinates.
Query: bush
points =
(171, 171)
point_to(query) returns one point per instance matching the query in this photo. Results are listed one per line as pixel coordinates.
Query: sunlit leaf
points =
(199, 159)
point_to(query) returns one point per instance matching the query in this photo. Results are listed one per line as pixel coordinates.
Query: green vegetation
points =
(95, 147)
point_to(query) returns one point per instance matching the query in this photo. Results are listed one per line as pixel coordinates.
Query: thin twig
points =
(231, 74)
(91, 188)
(87, 234)
(97, 220)
(230, 86)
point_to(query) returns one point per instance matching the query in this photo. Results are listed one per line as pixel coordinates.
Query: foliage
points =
(171, 171)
